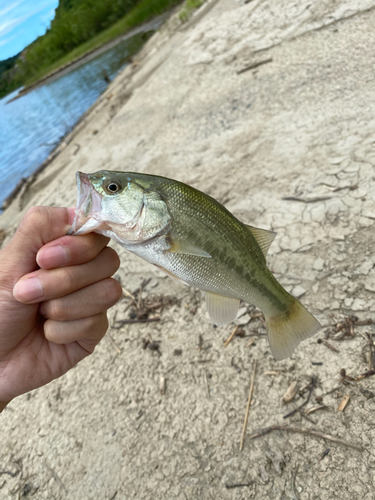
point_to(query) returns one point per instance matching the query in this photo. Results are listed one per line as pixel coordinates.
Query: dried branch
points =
(304, 430)
(248, 405)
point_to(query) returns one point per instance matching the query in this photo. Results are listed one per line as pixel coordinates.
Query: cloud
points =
(7, 40)
(10, 7)
(21, 22)
(8, 26)
(18, 13)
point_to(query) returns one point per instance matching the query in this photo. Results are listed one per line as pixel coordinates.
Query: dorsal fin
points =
(263, 237)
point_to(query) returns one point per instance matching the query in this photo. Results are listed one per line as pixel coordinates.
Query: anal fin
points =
(222, 310)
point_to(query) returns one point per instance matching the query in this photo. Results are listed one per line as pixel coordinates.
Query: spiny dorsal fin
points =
(222, 310)
(263, 237)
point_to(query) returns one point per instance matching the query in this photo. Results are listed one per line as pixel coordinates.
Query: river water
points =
(32, 126)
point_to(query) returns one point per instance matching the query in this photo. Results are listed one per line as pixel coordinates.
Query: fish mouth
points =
(88, 207)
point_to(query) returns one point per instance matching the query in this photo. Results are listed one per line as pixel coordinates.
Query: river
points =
(32, 126)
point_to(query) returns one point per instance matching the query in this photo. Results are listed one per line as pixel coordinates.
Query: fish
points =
(196, 241)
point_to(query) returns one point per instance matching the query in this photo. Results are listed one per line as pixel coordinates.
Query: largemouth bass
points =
(195, 240)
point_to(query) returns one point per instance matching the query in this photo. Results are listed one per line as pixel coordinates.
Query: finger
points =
(38, 226)
(86, 302)
(71, 250)
(87, 331)
(43, 285)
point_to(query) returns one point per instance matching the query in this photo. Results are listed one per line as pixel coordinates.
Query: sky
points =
(21, 22)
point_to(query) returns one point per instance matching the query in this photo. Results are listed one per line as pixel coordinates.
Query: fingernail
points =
(28, 290)
(51, 257)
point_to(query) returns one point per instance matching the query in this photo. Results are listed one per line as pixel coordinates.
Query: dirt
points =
(286, 145)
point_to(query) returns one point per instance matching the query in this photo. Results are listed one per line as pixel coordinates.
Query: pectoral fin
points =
(187, 248)
(222, 310)
(263, 237)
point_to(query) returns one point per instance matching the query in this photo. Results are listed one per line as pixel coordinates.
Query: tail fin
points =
(287, 330)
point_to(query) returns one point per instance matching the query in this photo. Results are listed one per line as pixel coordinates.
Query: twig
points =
(370, 352)
(11, 474)
(56, 478)
(231, 336)
(306, 200)
(343, 403)
(303, 430)
(363, 322)
(206, 384)
(240, 485)
(140, 297)
(310, 388)
(327, 344)
(114, 344)
(127, 294)
(144, 283)
(254, 65)
(248, 405)
(330, 392)
(294, 475)
(367, 374)
(304, 415)
(255, 333)
(123, 322)
(313, 409)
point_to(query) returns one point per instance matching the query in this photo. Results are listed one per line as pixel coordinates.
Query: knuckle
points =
(50, 331)
(55, 310)
(68, 279)
(33, 218)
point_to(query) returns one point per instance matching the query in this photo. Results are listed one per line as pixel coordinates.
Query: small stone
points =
(243, 320)
(359, 305)
(298, 291)
(318, 264)
(290, 393)
(348, 301)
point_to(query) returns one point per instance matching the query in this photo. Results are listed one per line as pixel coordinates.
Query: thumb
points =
(39, 226)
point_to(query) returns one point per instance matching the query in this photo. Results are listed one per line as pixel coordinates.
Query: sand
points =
(286, 145)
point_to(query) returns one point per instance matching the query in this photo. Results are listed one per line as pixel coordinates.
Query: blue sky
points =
(21, 22)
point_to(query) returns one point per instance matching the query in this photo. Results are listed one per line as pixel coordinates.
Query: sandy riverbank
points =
(287, 145)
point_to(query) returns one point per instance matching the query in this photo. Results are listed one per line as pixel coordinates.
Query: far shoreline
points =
(152, 25)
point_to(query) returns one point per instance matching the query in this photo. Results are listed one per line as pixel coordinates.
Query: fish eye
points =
(113, 187)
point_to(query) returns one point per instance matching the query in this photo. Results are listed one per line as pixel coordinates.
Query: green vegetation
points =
(190, 5)
(7, 73)
(79, 27)
(8, 64)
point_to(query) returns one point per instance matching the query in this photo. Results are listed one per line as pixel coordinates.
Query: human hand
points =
(54, 293)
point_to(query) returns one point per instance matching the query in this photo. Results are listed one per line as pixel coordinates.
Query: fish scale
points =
(197, 241)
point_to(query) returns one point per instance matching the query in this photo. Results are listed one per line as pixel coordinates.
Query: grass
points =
(188, 9)
(143, 12)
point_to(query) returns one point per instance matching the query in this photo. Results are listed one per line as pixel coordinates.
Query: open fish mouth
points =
(88, 207)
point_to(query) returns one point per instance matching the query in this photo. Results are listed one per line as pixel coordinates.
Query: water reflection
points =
(30, 127)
